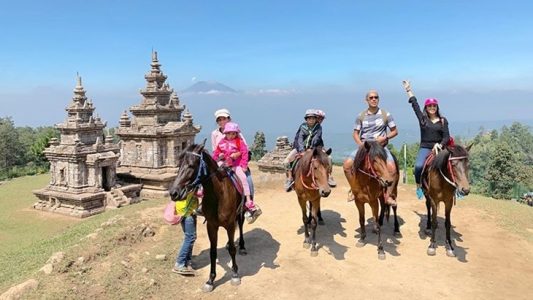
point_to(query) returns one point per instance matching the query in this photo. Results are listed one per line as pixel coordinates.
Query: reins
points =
(311, 173)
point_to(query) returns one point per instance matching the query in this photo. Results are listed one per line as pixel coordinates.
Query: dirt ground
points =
(118, 263)
(491, 262)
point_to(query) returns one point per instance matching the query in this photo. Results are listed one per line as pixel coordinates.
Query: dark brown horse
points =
(371, 182)
(311, 183)
(221, 204)
(446, 175)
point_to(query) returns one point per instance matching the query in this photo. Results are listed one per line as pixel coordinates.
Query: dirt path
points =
(491, 262)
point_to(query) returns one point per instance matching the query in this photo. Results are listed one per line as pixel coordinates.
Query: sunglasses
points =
(373, 97)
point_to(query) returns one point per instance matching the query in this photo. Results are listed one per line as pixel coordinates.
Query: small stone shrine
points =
(273, 161)
(153, 138)
(83, 165)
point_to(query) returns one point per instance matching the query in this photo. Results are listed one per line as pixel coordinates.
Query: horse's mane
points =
(374, 151)
(317, 153)
(441, 161)
(196, 148)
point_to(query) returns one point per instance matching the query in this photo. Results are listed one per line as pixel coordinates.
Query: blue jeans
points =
(250, 182)
(188, 224)
(419, 164)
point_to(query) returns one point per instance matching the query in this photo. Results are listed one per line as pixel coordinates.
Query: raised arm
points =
(414, 103)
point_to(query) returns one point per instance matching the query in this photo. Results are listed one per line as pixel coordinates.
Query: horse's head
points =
(371, 159)
(315, 163)
(459, 167)
(192, 163)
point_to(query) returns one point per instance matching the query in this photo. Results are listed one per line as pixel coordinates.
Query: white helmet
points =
(310, 113)
(321, 113)
(222, 113)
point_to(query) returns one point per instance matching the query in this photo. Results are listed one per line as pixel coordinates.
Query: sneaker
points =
(183, 270)
(459, 195)
(331, 182)
(419, 193)
(253, 215)
(288, 185)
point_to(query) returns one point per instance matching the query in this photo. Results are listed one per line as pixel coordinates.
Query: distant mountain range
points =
(209, 87)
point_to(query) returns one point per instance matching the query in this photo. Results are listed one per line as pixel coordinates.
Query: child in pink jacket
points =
(233, 152)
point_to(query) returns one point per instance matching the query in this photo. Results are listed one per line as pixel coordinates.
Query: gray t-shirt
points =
(373, 126)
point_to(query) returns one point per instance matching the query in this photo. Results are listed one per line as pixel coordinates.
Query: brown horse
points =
(221, 204)
(371, 182)
(311, 183)
(446, 175)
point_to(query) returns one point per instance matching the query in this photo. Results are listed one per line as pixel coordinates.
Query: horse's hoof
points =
(243, 252)
(398, 234)
(314, 253)
(235, 281)
(207, 288)
(432, 251)
(321, 222)
(381, 256)
(360, 244)
(450, 253)
(307, 245)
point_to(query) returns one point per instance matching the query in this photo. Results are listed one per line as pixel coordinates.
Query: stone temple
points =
(272, 161)
(153, 138)
(83, 165)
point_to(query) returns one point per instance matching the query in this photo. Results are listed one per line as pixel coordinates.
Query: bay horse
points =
(446, 175)
(310, 184)
(221, 204)
(371, 182)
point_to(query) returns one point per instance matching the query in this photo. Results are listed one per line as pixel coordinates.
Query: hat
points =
(231, 127)
(430, 101)
(310, 113)
(222, 113)
(321, 113)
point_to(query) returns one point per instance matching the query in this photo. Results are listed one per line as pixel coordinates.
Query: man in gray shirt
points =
(371, 125)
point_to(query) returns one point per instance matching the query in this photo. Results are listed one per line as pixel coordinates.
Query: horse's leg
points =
(305, 221)
(377, 227)
(397, 232)
(432, 249)
(320, 220)
(235, 279)
(382, 211)
(240, 221)
(428, 223)
(314, 218)
(212, 231)
(448, 223)
(361, 208)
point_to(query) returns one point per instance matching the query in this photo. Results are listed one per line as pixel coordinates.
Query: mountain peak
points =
(209, 87)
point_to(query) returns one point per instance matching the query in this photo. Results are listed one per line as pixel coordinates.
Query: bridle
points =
(311, 173)
(450, 169)
(373, 174)
(201, 173)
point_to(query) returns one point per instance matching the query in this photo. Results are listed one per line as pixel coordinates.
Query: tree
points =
(10, 148)
(258, 148)
(42, 139)
(501, 171)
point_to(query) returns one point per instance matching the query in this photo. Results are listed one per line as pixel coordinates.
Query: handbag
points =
(169, 214)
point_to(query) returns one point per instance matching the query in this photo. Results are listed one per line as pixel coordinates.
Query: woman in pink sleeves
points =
(233, 152)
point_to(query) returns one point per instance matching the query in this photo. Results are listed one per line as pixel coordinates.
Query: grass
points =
(513, 216)
(29, 237)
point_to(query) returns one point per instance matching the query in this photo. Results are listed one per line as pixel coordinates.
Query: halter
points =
(311, 173)
(373, 173)
(449, 165)
(200, 174)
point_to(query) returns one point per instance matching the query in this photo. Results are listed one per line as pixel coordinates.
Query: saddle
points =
(237, 184)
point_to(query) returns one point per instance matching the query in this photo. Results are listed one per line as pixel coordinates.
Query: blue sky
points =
(473, 55)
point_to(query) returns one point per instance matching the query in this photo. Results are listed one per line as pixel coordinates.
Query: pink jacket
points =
(228, 147)
(217, 136)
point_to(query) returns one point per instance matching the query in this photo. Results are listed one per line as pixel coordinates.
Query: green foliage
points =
(258, 148)
(501, 170)
(21, 149)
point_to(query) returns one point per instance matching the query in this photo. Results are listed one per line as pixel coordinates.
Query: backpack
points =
(362, 115)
